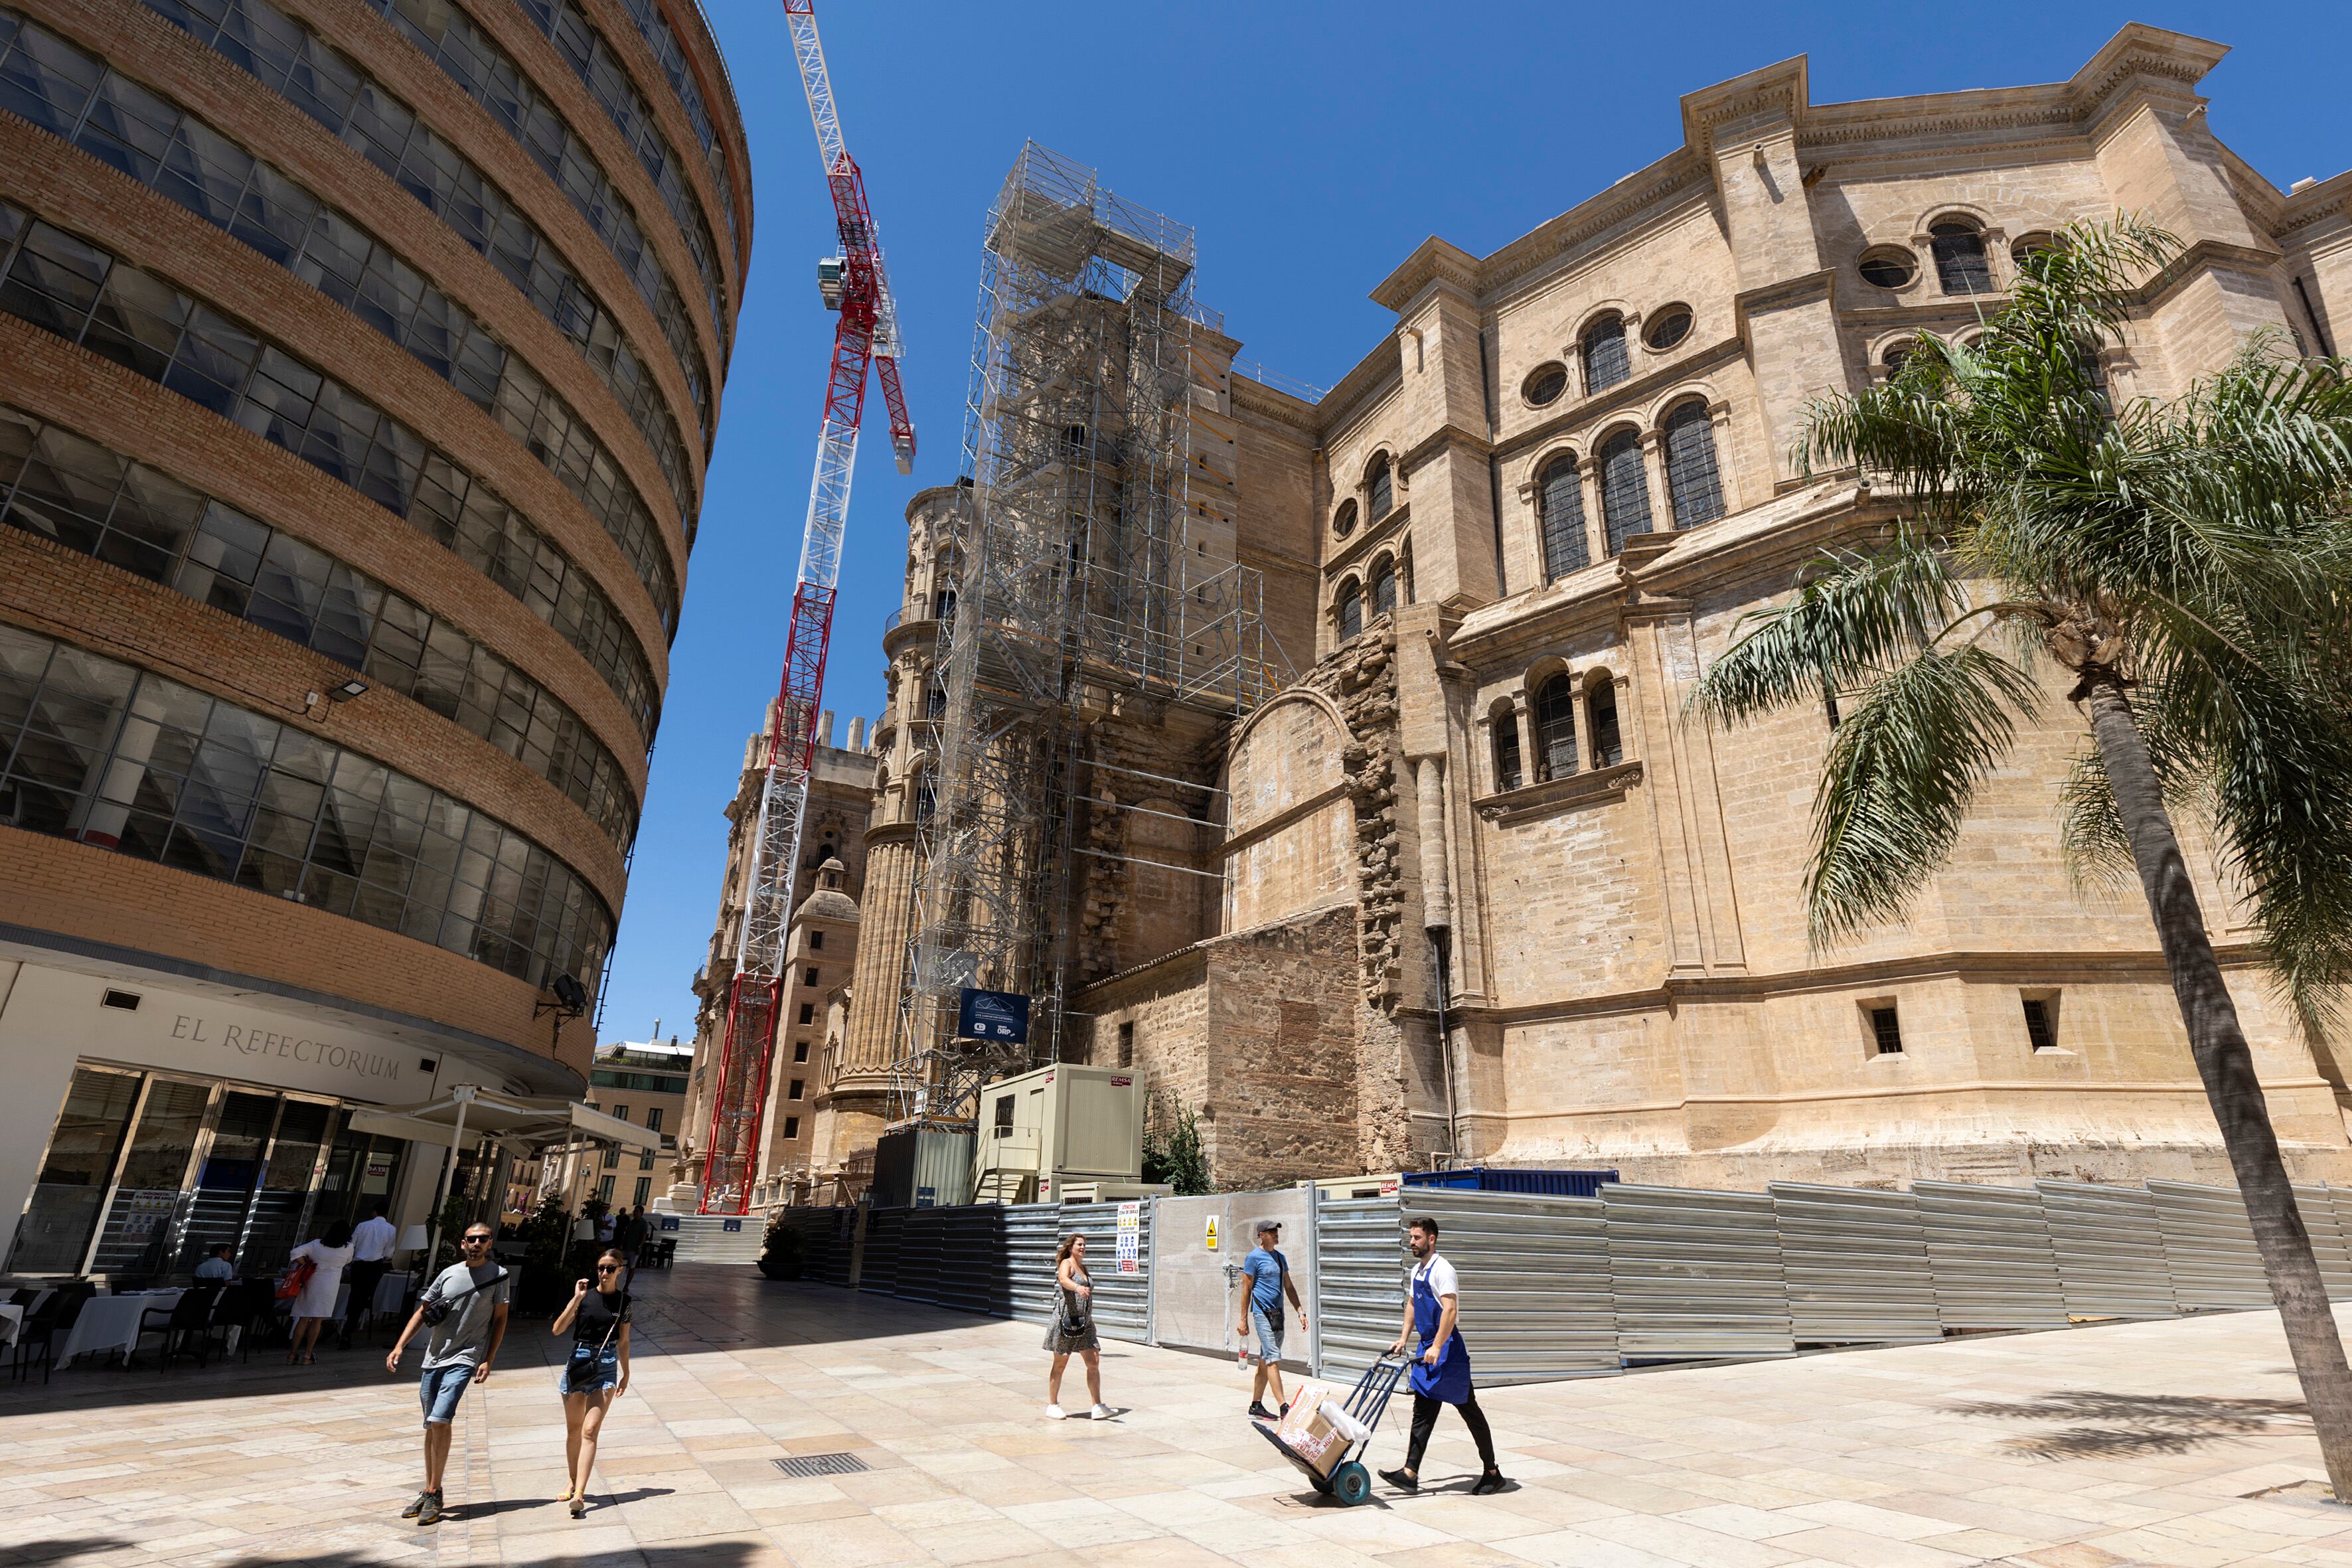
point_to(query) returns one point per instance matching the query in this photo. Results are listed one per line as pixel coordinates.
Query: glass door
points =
(137, 1234)
(77, 1172)
(275, 1224)
(227, 1176)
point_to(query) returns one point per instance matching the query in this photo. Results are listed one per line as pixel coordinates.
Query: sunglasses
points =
(475, 1241)
(608, 1268)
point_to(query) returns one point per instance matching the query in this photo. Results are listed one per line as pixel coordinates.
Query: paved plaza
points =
(2156, 1443)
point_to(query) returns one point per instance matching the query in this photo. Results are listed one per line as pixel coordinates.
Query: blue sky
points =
(1311, 146)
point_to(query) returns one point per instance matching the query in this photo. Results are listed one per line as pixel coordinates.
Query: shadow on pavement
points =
(697, 1553)
(683, 1311)
(2113, 1425)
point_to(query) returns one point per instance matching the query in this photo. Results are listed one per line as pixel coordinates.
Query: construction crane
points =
(854, 283)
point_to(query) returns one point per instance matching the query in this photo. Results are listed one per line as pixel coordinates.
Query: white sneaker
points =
(1100, 1413)
(1054, 1413)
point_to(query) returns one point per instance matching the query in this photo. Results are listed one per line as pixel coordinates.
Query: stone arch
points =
(1290, 830)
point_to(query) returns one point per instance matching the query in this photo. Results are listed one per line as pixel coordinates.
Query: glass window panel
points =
(1692, 482)
(1556, 728)
(1560, 501)
(78, 1171)
(1625, 489)
(139, 1221)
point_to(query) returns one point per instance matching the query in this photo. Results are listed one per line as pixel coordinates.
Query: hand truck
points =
(1349, 1480)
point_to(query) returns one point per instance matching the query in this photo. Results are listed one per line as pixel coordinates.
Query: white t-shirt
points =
(1442, 1280)
(371, 1240)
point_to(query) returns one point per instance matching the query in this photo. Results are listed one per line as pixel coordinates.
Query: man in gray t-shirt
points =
(459, 1349)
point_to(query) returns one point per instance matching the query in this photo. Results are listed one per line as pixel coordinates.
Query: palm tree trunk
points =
(2227, 1067)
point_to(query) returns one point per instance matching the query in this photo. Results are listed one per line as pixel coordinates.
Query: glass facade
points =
(82, 293)
(79, 494)
(118, 757)
(600, 71)
(327, 85)
(76, 96)
(146, 1173)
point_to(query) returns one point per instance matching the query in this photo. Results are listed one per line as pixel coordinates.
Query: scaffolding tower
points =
(1082, 586)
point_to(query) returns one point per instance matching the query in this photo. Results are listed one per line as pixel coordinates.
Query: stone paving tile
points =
(1972, 1452)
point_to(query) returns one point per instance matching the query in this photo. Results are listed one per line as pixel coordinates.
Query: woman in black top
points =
(597, 1370)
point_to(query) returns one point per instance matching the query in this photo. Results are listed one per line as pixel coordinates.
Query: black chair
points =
(188, 1318)
(49, 1323)
(247, 1307)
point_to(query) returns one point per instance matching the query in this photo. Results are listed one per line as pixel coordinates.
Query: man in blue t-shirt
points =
(1267, 1274)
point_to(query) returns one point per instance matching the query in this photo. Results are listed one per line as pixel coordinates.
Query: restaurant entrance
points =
(147, 1172)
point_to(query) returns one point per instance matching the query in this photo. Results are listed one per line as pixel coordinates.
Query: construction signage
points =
(1130, 1237)
(1210, 1241)
(993, 1015)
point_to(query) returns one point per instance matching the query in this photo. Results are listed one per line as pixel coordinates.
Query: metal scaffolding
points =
(1083, 586)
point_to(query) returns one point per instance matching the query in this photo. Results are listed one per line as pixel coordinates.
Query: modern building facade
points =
(1497, 556)
(364, 362)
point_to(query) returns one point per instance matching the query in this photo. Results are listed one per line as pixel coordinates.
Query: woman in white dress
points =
(328, 1255)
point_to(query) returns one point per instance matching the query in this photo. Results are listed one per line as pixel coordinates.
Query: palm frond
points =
(1902, 769)
(1861, 613)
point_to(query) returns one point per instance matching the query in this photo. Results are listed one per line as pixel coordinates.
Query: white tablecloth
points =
(12, 1318)
(390, 1293)
(111, 1324)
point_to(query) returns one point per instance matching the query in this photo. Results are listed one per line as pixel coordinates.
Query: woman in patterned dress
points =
(1072, 1329)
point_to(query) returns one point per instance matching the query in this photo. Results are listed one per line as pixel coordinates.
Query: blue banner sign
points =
(993, 1015)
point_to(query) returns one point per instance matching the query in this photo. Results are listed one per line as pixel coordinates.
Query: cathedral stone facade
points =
(1476, 886)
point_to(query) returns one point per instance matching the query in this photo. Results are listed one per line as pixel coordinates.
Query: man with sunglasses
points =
(458, 1350)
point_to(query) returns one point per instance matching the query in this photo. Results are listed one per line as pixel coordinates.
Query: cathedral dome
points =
(829, 902)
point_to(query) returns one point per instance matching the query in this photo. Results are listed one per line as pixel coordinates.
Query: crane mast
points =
(857, 284)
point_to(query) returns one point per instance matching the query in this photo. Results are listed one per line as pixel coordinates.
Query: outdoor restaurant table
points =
(390, 1293)
(111, 1324)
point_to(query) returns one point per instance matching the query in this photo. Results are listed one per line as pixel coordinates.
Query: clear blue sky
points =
(1311, 146)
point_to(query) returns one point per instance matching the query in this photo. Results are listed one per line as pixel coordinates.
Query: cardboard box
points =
(1308, 1431)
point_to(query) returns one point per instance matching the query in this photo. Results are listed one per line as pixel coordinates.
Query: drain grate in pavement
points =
(820, 1465)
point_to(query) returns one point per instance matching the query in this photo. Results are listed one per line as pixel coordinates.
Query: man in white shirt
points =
(1440, 1372)
(372, 1241)
(217, 1266)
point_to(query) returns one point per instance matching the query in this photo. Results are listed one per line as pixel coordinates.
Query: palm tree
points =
(2188, 568)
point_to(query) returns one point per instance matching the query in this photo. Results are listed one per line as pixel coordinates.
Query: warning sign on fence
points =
(1130, 1238)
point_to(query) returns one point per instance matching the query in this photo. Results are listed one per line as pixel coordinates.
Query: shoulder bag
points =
(296, 1278)
(581, 1364)
(436, 1307)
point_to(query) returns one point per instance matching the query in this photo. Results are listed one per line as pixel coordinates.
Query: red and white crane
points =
(855, 284)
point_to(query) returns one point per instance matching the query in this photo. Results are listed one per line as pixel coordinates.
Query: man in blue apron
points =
(1440, 1376)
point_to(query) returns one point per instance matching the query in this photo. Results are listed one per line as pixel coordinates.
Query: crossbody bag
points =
(581, 1364)
(436, 1307)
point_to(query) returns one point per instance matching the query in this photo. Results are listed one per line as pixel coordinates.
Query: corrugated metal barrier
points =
(1535, 1280)
(1695, 1274)
(1568, 1286)
(1989, 1247)
(1856, 1264)
(1358, 1296)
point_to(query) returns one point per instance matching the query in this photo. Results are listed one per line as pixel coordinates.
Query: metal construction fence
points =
(1573, 1287)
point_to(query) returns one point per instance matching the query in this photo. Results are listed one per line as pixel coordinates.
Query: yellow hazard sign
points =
(1213, 1232)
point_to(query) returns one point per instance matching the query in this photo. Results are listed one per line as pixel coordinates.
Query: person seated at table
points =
(218, 1267)
(329, 1256)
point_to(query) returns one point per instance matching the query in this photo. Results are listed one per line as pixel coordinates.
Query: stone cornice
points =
(1444, 438)
(1776, 92)
(1432, 261)
(1598, 787)
(1272, 403)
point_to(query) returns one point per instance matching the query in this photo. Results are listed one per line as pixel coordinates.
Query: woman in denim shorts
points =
(597, 1370)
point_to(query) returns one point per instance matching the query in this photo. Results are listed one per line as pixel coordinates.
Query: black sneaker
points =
(431, 1513)
(413, 1510)
(1491, 1481)
(1403, 1480)
(1257, 1408)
